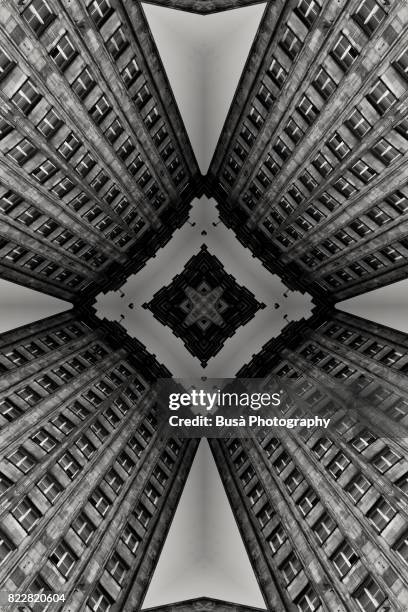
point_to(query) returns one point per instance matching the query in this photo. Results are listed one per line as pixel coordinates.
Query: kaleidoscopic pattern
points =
(204, 305)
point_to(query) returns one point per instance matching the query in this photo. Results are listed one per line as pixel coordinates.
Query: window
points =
(322, 165)
(44, 171)
(100, 601)
(357, 487)
(369, 596)
(358, 124)
(294, 132)
(26, 98)
(308, 601)
(324, 83)
(385, 460)
(307, 501)
(307, 110)
(290, 568)
(255, 493)
(117, 568)
(6, 65)
(99, 501)
(117, 43)
(277, 73)
(38, 15)
(130, 73)
(85, 446)
(70, 466)
(22, 152)
(344, 558)
(293, 480)
(277, 538)
(50, 487)
(322, 446)
(69, 146)
(100, 11)
(307, 11)
(143, 515)
(5, 483)
(369, 15)
(130, 538)
(83, 527)
(381, 514)
(63, 558)
(265, 514)
(337, 466)
(344, 53)
(363, 171)
(83, 84)
(114, 481)
(281, 462)
(364, 439)
(6, 547)
(323, 527)
(401, 547)
(290, 43)
(63, 53)
(338, 146)
(386, 152)
(49, 124)
(22, 460)
(27, 514)
(100, 110)
(381, 97)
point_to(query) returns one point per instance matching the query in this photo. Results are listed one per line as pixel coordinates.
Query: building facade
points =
(325, 514)
(204, 604)
(311, 167)
(96, 169)
(88, 483)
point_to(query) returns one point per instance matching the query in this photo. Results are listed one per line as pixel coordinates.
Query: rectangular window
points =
(83, 84)
(344, 558)
(63, 53)
(130, 538)
(117, 568)
(369, 15)
(22, 460)
(277, 538)
(290, 43)
(369, 596)
(27, 514)
(344, 53)
(381, 97)
(358, 487)
(70, 466)
(63, 558)
(100, 601)
(50, 487)
(99, 501)
(6, 65)
(26, 98)
(117, 43)
(290, 568)
(100, 11)
(83, 527)
(38, 15)
(323, 527)
(381, 514)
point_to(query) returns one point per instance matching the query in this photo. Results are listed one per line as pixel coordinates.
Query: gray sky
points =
(204, 58)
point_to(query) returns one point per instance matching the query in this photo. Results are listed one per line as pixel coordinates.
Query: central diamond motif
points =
(204, 305)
